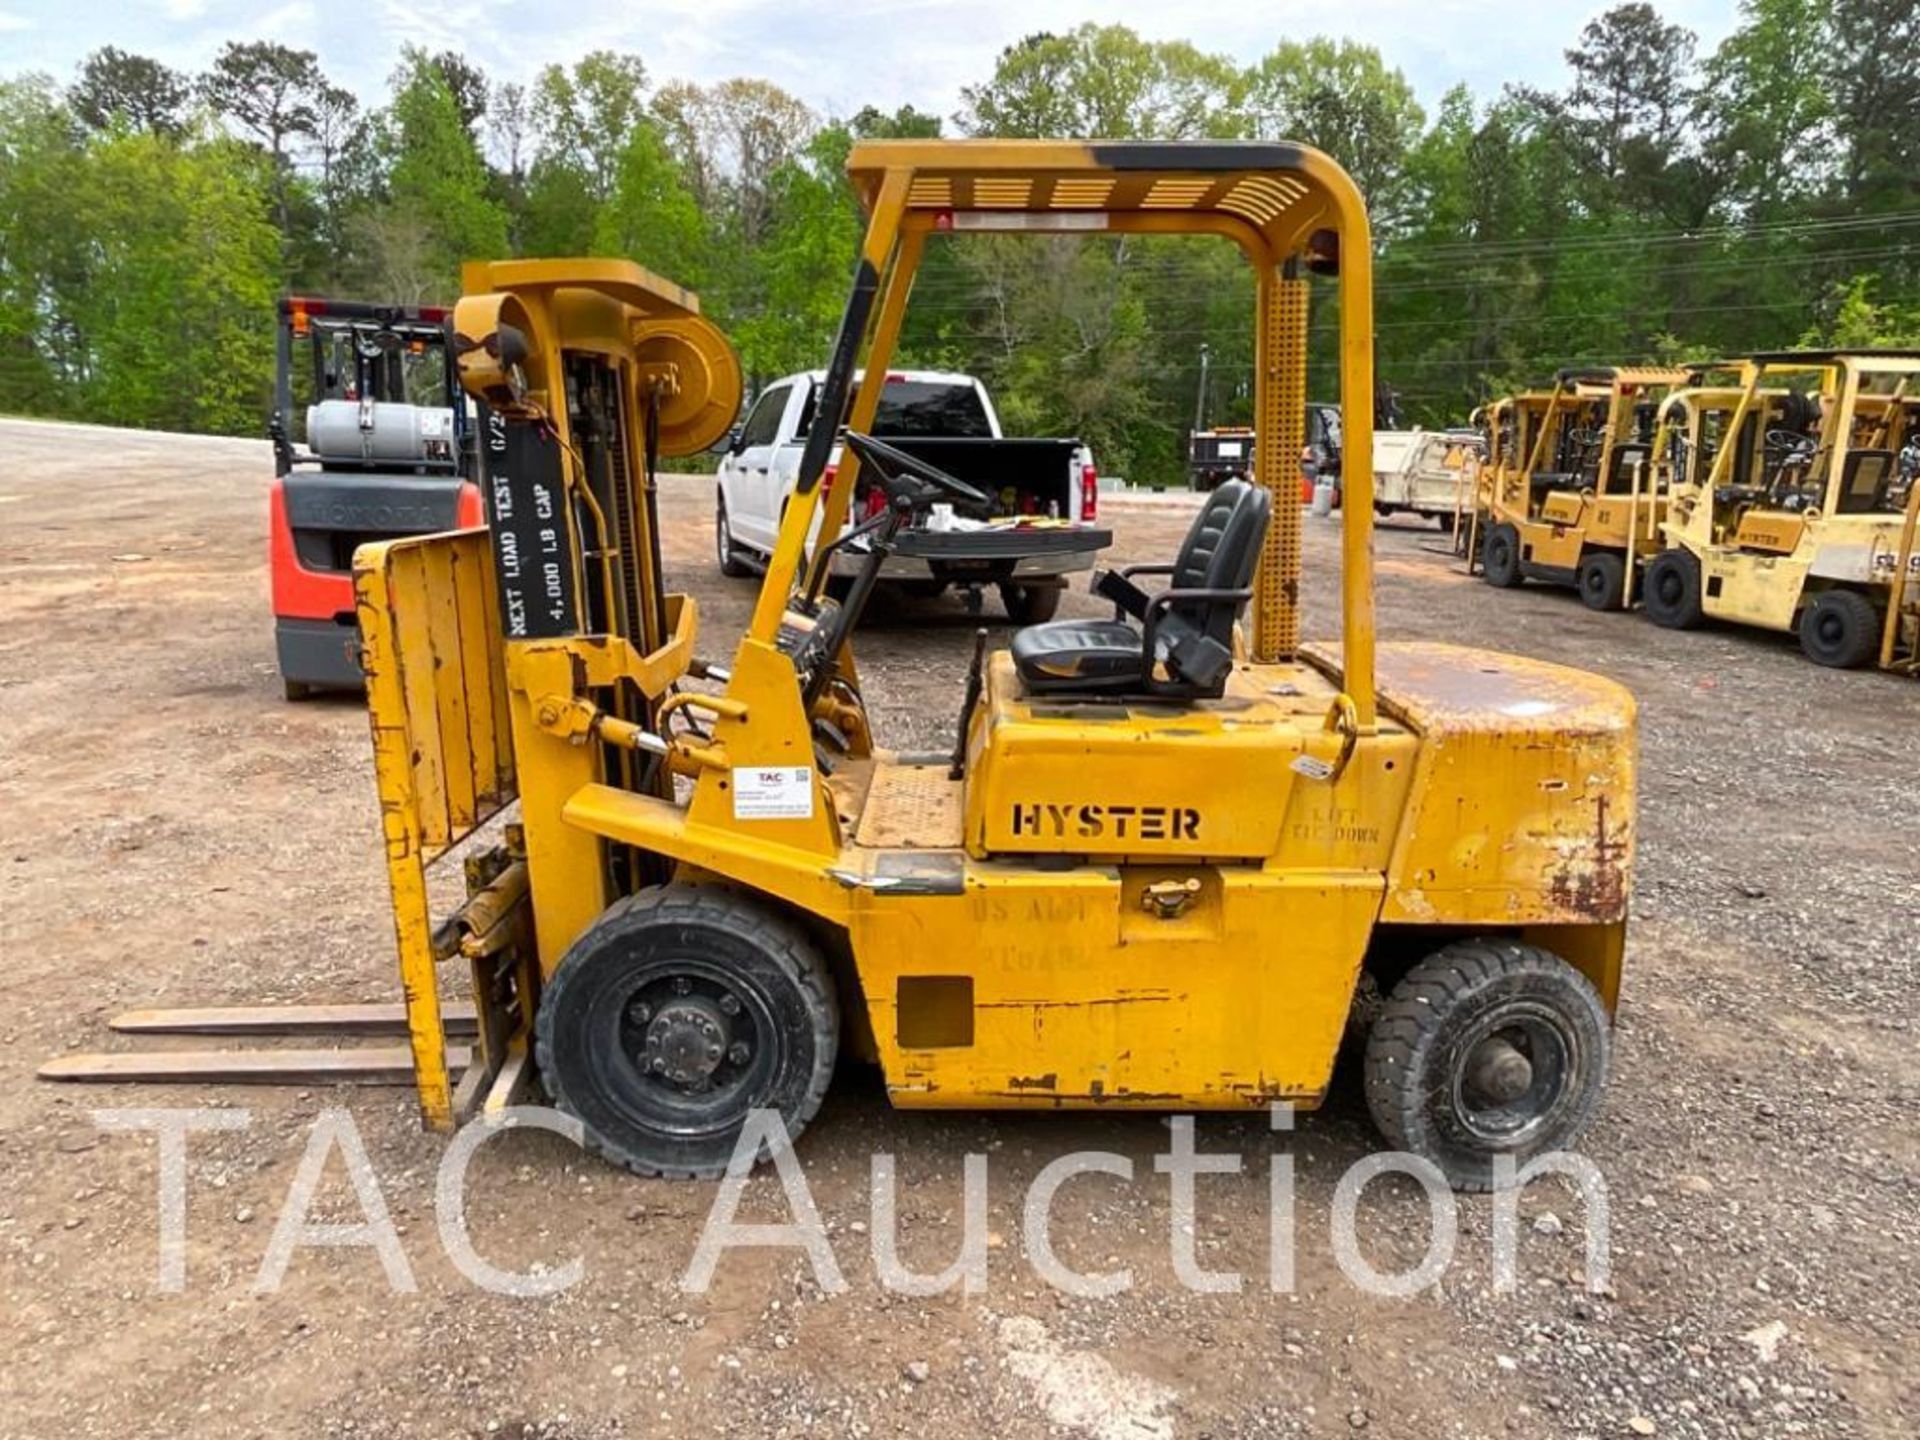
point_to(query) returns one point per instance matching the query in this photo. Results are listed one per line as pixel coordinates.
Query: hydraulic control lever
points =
(975, 676)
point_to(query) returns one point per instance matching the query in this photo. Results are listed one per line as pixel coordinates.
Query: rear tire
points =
(1840, 629)
(676, 1012)
(731, 565)
(1500, 558)
(1485, 1048)
(1602, 580)
(1030, 604)
(1671, 595)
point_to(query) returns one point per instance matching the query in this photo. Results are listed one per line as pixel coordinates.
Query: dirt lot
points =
(172, 832)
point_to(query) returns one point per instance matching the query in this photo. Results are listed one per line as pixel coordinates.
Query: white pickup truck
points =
(1040, 528)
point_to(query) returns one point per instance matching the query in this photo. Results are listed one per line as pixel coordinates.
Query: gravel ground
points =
(171, 832)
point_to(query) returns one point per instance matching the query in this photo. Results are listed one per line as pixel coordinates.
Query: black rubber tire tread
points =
(1500, 558)
(1859, 639)
(1601, 579)
(784, 945)
(1678, 570)
(1030, 604)
(731, 565)
(1402, 1041)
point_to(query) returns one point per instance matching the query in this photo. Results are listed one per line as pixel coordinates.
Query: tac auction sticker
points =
(775, 792)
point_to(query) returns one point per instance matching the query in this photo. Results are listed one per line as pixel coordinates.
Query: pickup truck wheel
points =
(1487, 1047)
(1030, 604)
(730, 562)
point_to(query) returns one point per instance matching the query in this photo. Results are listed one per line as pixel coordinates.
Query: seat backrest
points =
(1219, 553)
(1865, 482)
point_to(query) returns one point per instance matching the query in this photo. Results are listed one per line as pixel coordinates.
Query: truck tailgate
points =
(1008, 542)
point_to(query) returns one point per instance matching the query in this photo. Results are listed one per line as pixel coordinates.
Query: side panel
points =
(1760, 590)
(1064, 989)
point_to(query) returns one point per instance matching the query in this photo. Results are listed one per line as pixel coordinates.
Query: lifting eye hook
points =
(1343, 718)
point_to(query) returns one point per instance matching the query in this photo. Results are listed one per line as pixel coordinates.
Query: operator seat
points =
(1187, 629)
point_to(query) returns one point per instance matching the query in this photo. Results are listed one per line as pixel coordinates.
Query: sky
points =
(837, 55)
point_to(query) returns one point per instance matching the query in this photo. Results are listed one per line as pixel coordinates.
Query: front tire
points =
(1840, 629)
(675, 1013)
(1671, 595)
(1602, 580)
(1487, 1047)
(1500, 558)
(1030, 604)
(731, 563)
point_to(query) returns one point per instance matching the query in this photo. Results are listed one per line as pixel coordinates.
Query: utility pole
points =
(1200, 400)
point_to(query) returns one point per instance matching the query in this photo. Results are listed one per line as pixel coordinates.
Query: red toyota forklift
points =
(371, 441)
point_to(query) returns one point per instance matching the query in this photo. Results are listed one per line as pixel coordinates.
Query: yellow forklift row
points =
(1575, 498)
(1168, 850)
(1804, 521)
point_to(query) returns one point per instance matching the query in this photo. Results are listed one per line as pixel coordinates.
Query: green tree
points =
(115, 90)
(268, 90)
(467, 83)
(1105, 82)
(183, 266)
(1341, 98)
(1767, 108)
(440, 210)
(1875, 90)
(43, 242)
(650, 216)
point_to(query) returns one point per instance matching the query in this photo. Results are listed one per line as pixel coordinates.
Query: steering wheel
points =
(890, 464)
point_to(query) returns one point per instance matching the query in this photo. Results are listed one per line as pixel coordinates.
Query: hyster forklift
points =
(1165, 855)
(1805, 520)
(369, 442)
(1582, 508)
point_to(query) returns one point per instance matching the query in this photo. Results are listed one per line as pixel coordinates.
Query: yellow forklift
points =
(1583, 508)
(1805, 520)
(1167, 850)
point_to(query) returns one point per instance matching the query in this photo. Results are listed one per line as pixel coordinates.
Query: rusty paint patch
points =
(1594, 883)
(1048, 1081)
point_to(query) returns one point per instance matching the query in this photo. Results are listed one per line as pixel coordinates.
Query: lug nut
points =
(640, 1012)
(729, 1005)
(738, 1052)
(682, 985)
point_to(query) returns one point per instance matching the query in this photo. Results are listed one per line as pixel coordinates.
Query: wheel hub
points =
(687, 1039)
(1497, 1072)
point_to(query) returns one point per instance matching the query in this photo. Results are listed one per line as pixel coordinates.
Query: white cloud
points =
(10, 21)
